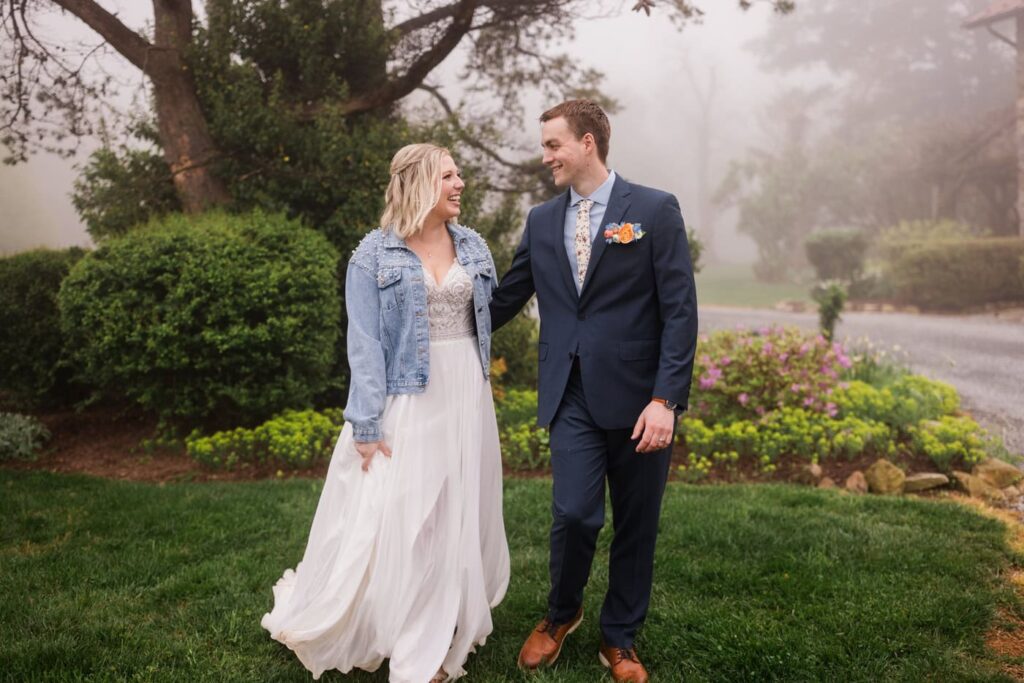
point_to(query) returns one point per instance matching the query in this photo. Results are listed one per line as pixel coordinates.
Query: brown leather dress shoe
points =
(624, 665)
(545, 642)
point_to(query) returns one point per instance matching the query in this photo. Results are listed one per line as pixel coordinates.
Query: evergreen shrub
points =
(216, 320)
(837, 254)
(955, 274)
(31, 343)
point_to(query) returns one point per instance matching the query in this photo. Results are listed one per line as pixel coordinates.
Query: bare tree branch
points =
(465, 136)
(398, 87)
(127, 42)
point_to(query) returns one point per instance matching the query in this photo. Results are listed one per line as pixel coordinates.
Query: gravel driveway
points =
(982, 356)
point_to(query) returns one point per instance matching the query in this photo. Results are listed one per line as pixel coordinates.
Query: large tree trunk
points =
(188, 147)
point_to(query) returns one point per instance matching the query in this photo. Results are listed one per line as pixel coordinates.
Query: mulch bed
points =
(107, 442)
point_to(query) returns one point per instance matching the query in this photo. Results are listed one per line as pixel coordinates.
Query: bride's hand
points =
(367, 450)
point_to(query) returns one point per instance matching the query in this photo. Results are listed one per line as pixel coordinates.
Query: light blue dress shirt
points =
(600, 197)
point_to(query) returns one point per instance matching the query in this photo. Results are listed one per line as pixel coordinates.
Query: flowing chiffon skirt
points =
(405, 561)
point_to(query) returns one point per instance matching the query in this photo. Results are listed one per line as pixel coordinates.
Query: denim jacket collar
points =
(459, 235)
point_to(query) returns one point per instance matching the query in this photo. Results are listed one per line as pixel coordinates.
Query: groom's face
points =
(564, 153)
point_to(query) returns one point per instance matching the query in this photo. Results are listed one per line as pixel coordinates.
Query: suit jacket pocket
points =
(542, 351)
(641, 349)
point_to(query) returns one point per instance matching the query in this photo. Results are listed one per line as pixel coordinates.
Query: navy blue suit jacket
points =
(633, 326)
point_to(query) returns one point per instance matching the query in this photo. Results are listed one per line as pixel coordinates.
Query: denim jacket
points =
(388, 334)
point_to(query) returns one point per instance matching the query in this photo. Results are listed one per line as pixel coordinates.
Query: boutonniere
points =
(624, 233)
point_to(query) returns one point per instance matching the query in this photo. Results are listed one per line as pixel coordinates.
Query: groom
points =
(610, 265)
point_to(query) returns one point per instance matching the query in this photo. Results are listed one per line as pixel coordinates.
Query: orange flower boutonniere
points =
(615, 233)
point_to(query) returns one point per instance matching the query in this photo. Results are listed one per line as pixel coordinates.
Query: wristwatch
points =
(668, 404)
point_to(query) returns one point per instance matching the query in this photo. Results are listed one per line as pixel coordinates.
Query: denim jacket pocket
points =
(390, 286)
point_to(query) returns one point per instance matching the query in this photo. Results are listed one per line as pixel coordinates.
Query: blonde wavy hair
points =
(414, 189)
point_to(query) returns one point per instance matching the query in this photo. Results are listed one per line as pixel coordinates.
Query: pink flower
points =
(743, 399)
(845, 361)
(783, 357)
(831, 409)
(767, 348)
(707, 382)
(725, 360)
(795, 388)
(809, 401)
(804, 348)
(759, 410)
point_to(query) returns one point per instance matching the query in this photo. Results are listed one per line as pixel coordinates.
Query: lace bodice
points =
(450, 304)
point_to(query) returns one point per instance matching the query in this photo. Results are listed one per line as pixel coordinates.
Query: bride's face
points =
(449, 200)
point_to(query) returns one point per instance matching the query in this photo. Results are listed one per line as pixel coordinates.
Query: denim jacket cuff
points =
(366, 432)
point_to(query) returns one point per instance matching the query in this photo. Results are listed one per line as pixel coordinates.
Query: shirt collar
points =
(599, 196)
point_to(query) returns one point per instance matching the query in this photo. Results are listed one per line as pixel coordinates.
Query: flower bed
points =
(764, 395)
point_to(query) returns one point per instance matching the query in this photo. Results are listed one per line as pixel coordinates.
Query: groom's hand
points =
(369, 449)
(655, 425)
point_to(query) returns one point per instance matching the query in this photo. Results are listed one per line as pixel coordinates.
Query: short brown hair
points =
(584, 116)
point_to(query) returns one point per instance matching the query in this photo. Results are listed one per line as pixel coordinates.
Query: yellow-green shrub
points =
(907, 401)
(524, 445)
(785, 432)
(953, 441)
(295, 439)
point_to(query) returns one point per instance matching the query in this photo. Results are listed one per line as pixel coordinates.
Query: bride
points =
(407, 551)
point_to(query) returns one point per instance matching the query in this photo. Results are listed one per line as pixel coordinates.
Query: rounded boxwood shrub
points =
(213, 320)
(30, 336)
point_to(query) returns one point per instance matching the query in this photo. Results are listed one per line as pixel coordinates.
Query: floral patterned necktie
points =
(583, 239)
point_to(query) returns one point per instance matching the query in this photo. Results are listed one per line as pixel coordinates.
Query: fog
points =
(644, 58)
(661, 76)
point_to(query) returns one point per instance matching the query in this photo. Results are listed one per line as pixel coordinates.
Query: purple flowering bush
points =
(746, 374)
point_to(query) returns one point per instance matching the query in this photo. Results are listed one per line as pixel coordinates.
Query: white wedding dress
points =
(405, 561)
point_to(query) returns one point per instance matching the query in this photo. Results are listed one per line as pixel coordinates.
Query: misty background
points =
(650, 68)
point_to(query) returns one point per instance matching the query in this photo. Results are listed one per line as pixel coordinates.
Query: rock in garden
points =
(884, 477)
(808, 474)
(976, 487)
(827, 483)
(856, 483)
(998, 473)
(1011, 492)
(924, 481)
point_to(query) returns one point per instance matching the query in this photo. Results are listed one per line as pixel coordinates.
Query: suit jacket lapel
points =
(618, 204)
(558, 238)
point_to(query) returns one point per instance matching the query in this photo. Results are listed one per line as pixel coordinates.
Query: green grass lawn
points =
(733, 285)
(105, 580)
